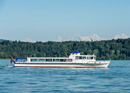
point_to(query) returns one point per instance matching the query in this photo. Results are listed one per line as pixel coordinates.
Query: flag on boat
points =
(11, 59)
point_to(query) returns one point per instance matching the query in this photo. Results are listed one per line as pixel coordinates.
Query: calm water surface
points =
(115, 78)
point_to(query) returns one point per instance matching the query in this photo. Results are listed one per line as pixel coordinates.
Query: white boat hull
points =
(64, 64)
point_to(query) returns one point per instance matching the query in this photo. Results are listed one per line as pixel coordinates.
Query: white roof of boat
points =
(48, 57)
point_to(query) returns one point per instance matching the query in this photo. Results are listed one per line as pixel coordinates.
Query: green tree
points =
(95, 51)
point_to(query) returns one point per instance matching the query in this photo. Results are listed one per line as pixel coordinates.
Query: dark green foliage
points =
(114, 49)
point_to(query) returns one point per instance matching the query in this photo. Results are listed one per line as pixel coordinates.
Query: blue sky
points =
(45, 20)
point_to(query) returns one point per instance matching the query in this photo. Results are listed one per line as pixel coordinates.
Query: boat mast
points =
(66, 54)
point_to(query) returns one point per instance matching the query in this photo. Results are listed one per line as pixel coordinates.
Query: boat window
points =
(49, 60)
(42, 60)
(84, 57)
(55, 60)
(80, 57)
(70, 60)
(21, 60)
(90, 57)
(64, 60)
(61, 60)
(32, 60)
(77, 57)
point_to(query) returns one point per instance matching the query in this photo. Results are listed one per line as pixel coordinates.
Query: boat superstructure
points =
(75, 60)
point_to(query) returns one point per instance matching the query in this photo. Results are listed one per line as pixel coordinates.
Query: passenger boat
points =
(75, 60)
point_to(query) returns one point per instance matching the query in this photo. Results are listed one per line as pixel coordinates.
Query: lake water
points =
(115, 78)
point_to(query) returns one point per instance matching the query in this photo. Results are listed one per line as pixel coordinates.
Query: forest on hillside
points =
(114, 49)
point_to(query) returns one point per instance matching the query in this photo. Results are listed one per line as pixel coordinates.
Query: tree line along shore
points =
(105, 49)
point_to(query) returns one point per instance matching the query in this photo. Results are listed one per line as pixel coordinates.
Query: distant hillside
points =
(114, 49)
(1, 40)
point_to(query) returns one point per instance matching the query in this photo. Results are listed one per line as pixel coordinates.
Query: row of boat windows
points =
(82, 57)
(54, 60)
(45, 60)
(51, 60)
(21, 60)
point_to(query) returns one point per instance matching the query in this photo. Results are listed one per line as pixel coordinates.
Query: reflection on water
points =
(115, 78)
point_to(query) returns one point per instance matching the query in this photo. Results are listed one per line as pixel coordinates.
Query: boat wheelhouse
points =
(75, 60)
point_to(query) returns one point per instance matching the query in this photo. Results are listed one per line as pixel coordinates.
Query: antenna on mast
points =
(66, 54)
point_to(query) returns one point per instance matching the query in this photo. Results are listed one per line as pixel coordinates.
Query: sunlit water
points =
(115, 78)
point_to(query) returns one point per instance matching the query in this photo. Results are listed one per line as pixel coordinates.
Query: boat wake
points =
(6, 66)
